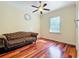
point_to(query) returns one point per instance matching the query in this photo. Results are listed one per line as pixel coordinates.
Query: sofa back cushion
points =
(11, 36)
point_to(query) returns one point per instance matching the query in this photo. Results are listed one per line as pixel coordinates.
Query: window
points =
(55, 24)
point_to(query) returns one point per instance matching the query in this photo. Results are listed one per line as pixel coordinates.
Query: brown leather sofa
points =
(17, 39)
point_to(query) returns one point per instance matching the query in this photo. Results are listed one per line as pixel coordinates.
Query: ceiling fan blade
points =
(41, 12)
(35, 10)
(44, 5)
(34, 6)
(47, 9)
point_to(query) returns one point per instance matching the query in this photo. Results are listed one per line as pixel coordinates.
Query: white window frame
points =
(52, 28)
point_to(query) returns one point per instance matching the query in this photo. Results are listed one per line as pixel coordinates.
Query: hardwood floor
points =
(43, 49)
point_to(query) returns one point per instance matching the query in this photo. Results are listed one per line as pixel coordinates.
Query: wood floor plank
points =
(43, 49)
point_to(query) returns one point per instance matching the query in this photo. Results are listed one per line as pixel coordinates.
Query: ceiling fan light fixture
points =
(40, 9)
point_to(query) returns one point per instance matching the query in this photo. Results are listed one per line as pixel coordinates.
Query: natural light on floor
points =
(54, 52)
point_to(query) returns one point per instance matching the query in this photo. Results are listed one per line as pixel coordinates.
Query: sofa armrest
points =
(2, 42)
(34, 34)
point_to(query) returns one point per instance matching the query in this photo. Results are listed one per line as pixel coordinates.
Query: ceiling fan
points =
(40, 7)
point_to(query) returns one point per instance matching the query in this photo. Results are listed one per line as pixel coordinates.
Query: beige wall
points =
(12, 19)
(67, 34)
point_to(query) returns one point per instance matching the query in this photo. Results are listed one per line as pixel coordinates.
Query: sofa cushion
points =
(28, 39)
(11, 36)
(16, 41)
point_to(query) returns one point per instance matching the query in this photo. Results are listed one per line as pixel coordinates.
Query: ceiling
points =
(52, 5)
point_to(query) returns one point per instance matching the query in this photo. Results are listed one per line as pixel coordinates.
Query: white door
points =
(78, 27)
